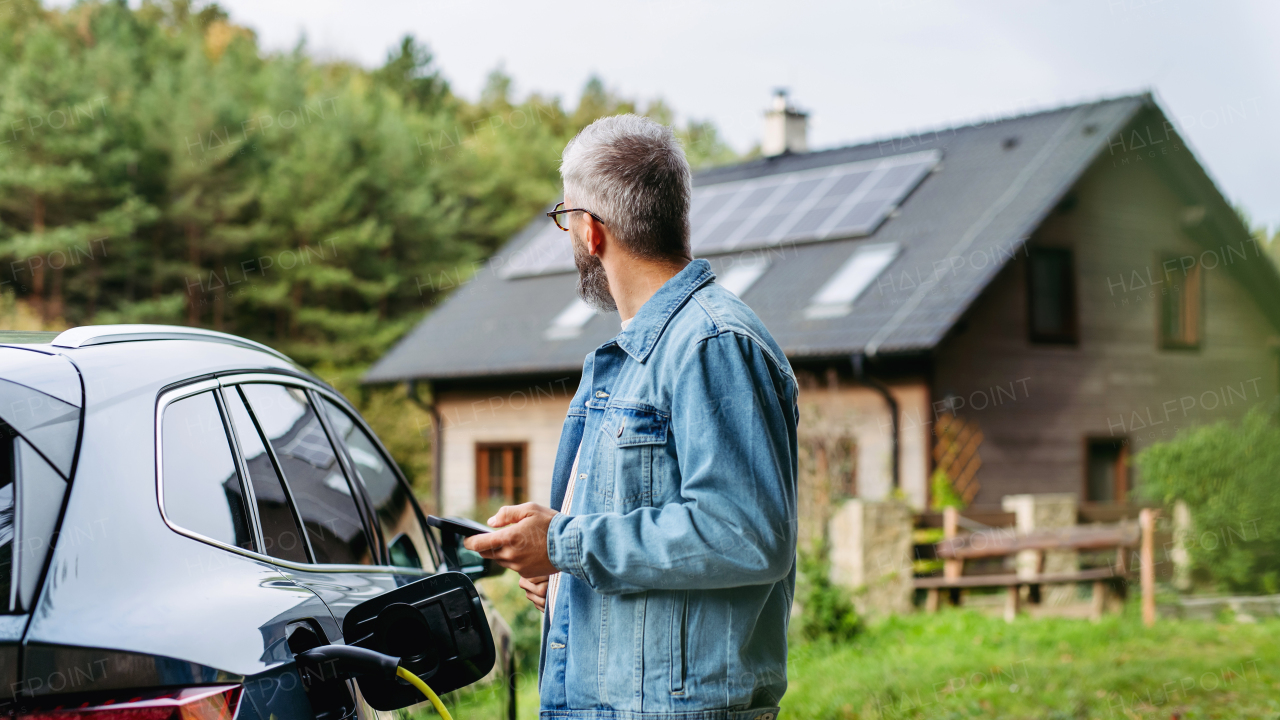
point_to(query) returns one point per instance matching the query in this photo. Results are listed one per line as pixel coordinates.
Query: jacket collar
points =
(646, 327)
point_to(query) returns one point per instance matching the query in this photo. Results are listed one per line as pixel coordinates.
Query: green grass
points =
(962, 664)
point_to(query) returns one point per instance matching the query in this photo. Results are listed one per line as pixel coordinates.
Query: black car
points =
(181, 513)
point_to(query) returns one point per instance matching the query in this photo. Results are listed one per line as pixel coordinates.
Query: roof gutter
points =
(859, 374)
(437, 442)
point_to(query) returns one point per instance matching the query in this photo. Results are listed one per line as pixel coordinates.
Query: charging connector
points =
(348, 661)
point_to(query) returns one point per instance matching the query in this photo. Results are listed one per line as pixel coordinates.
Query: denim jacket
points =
(678, 556)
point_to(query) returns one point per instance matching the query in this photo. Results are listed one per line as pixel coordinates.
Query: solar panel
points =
(827, 203)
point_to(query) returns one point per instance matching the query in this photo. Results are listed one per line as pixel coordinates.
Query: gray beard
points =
(593, 283)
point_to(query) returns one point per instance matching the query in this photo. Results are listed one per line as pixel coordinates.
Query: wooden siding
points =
(1119, 222)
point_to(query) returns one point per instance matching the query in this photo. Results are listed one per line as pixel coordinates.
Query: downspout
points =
(860, 375)
(437, 441)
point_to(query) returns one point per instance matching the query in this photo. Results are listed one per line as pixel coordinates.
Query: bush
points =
(827, 611)
(1227, 475)
(944, 492)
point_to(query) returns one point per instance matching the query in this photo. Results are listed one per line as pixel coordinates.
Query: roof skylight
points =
(837, 296)
(739, 278)
(570, 321)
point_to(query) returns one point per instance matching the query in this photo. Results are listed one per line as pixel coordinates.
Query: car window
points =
(392, 503)
(31, 493)
(281, 536)
(313, 473)
(202, 490)
(8, 508)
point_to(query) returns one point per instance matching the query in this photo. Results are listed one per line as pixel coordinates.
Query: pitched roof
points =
(953, 233)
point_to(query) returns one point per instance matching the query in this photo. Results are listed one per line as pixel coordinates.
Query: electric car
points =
(181, 512)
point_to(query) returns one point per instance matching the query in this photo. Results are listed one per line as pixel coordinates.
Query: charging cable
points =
(416, 681)
(351, 661)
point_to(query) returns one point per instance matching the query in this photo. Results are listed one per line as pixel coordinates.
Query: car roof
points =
(163, 354)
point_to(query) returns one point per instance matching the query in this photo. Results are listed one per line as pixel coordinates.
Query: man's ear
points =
(593, 235)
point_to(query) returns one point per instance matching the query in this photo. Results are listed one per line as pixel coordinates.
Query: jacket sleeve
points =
(733, 416)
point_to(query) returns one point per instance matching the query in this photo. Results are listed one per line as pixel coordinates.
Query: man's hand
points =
(535, 588)
(521, 544)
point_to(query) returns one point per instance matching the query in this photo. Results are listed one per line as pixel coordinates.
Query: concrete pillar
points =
(871, 555)
(1044, 512)
(1178, 553)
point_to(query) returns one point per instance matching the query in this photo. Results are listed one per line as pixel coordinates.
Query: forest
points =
(158, 166)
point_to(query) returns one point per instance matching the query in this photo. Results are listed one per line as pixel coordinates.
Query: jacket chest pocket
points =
(634, 442)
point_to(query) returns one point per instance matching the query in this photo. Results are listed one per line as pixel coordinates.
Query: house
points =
(1021, 304)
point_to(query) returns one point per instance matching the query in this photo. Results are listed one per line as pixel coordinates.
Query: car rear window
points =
(201, 486)
(31, 494)
(40, 401)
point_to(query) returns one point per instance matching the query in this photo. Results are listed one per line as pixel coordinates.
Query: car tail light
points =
(209, 702)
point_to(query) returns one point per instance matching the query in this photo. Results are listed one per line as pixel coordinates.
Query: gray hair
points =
(632, 173)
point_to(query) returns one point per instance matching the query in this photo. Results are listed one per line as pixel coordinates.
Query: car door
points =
(362, 532)
(207, 493)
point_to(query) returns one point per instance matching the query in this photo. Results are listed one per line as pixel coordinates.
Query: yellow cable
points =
(416, 681)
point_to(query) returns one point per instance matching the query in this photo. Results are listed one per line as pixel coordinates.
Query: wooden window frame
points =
(508, 478)
(1122, 484)
(1070, 336)
(1194, 307)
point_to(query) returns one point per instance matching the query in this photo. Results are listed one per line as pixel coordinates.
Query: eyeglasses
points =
(561, 210)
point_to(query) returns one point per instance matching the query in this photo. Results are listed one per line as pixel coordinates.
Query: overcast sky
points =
(864, 70)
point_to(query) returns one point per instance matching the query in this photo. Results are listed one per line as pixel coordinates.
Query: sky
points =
(864, 70)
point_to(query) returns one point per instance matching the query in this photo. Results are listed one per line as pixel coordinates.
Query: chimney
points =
(785, 127)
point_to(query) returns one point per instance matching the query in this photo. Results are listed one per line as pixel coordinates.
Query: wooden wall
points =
(1117, 381)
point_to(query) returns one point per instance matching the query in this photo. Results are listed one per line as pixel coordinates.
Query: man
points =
(673, 550)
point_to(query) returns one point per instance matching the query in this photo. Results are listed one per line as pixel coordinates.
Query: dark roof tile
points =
(956, 230)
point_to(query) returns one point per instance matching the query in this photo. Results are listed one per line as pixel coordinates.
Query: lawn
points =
(964, 664)
(960, 664)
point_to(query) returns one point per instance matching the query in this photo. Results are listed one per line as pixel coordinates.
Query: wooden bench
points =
(1003, 542)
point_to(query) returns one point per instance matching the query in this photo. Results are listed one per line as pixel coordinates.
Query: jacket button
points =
(601, 394)
(620, 427)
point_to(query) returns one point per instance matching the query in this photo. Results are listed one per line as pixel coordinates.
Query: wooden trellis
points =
(956, 453)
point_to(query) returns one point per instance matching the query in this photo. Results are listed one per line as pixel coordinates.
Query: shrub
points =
(827, 611)
(1227, 475)
(944, 492)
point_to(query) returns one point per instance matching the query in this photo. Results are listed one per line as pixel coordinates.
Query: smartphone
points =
(458, 526)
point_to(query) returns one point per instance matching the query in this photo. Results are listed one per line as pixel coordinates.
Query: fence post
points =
(952, 568)
(1147, 520)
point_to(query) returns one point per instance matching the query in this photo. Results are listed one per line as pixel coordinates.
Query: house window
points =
(1051, 296)
(501, 474)
(1180, 304)
(1107, 470)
